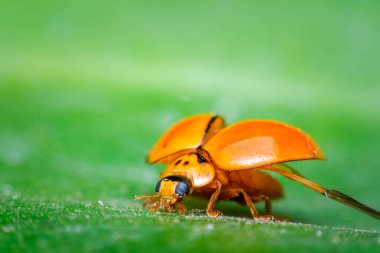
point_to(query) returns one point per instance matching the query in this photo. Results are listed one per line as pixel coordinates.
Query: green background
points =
(87, 87)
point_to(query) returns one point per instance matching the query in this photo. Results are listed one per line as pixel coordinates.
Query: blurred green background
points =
(87, 87)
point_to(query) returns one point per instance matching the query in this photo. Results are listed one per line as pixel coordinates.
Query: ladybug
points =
(207, 159)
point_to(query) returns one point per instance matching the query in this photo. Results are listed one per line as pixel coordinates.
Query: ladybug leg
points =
(211, 203)
(267, 201)
(268, 204)
(249, 203)
(153, 207)
(254, 212)
(268, 209)
(169, 208)
(181, 207)
(152, 202)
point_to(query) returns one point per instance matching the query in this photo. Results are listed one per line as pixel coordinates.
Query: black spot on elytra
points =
(186, 163)
(177, 162)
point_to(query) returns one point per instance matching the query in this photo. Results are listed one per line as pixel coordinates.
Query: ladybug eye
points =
(182, 189)
(158, 186)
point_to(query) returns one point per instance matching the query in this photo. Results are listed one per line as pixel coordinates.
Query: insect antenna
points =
(146, 196)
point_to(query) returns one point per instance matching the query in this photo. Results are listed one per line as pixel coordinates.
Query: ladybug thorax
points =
(194, 166)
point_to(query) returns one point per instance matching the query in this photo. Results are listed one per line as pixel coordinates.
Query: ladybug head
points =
(172, 189)
(169, 192)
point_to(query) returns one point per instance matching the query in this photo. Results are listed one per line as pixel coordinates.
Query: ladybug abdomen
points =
(255, 183)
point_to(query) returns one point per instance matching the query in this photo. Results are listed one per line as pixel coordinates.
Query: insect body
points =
(205, 158)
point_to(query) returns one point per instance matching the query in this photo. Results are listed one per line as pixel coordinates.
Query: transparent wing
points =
(333, 194)
(287, 168)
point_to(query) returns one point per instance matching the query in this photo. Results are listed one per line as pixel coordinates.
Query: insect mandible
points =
(207, 159)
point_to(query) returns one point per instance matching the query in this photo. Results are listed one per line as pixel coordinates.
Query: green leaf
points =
(87, 89)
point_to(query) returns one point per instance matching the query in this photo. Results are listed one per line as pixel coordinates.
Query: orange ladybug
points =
(210, 160)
